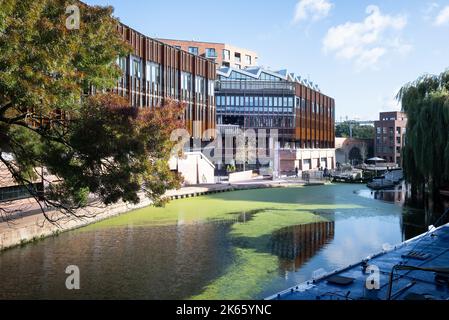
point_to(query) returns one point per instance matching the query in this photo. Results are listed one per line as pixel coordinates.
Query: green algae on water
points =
(223, 206)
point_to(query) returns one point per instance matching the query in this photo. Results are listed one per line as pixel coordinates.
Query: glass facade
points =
(267, 100)
(255, 104)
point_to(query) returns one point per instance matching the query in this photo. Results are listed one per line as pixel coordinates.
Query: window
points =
(226, 55)
(238, 57)
(248, 60)
(193, 50)
(391, 129)
(226, 64)
(122, 64)
(136, 68)
(211, 88)
(154, 76)
(210, 53)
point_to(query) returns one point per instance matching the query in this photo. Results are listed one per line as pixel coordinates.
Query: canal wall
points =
(29, 228)
(32, 226)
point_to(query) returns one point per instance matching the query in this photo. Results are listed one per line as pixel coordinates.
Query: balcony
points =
(211, 56)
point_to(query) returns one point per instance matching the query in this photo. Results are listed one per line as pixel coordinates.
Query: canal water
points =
(237, 245)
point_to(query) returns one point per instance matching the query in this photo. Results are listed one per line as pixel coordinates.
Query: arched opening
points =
(355, 156)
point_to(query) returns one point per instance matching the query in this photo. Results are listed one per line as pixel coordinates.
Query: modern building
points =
(390, 136)
(156, 71)
(224, 55)
(257, 98)
(153, 73)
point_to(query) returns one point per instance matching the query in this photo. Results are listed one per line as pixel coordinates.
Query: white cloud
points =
(429, 11)
(312, 9)
(443, 17)
(366, 42)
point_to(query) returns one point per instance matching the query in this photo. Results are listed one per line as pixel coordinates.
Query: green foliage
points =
(90, 145)
(44, 66)
(426, 153)
(342, 130)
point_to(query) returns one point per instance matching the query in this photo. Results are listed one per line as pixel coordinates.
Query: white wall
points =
(240, 176)
(194, 167)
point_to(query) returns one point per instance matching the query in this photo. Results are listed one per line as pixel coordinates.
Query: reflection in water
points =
(417, 216)
(169, 262)
(245, 244)
(397, 195)
(297, 244)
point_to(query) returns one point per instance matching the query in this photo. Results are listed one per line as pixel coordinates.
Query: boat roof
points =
(427, 254)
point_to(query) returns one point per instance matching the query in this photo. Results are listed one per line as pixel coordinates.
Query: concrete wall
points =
(194, 167)
(240, 176)
(306, 159)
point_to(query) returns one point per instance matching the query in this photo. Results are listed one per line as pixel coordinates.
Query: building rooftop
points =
(181, 40)
(258, 73)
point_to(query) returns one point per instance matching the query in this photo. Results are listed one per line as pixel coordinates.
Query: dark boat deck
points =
(429, 251)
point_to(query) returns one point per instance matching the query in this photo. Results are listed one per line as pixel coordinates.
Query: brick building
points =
(390, 136)
(224, 55)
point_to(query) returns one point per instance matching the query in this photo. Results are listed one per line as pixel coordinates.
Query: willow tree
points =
(97, 146)
(426, 152)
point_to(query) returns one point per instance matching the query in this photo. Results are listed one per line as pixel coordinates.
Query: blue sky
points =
(359, 52)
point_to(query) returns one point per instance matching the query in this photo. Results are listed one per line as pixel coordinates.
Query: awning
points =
(376, 159)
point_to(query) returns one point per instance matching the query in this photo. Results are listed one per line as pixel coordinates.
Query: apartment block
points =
(224, 55)
(390, 136)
